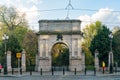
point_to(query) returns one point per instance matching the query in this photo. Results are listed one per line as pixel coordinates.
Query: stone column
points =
(110, 59)
(96, 60)
(37, 62)
(9, 68)
(72, 45)
(23, 66)
(83, 60)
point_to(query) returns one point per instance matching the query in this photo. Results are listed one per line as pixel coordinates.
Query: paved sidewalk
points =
(59, 76)
(60, 73)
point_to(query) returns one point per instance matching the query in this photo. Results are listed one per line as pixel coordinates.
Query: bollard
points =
(85, 71)
(75, 71)
(116, 67)
(20, 71)
(41, 71)
(30, 72)
(111, 69)
(63, 71)
(12, 71)
(94, 72)
(52, 71)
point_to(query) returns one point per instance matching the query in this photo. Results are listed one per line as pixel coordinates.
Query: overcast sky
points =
(107, 11)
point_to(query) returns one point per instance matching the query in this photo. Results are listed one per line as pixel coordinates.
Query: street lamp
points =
(5, 37)
(111, 54)
(111, 37)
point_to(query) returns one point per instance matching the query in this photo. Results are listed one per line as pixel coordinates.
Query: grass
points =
(90, 67)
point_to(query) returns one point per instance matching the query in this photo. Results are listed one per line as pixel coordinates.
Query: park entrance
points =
(60, 56)
(59, 45)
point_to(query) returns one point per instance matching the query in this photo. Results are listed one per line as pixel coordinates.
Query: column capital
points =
(23, 51)
(8, 52)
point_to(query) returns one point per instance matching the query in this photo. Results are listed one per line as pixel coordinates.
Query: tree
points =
(30, 45)
(2, 54)
(14, 46)
(11, 18)
(19, 33)
(89, 32)
(115, 29)
(116, 47)
(101, 42)
(13, 23)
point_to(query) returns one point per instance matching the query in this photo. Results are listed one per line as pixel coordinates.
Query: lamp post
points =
(5, 37)
(111, 55)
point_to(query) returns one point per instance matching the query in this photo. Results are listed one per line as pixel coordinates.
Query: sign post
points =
(18, 55)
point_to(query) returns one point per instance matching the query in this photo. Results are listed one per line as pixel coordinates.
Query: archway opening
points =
(60, 56)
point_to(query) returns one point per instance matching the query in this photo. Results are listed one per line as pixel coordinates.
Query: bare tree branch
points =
(11, 18)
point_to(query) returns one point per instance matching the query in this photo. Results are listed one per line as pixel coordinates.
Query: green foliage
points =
(89, 32)
(89, 59)
(19, 33)
(60, 55)
(16, 26)
(30, 45)
(101, 42)
(90, 67)
(116, 47)
(14, 46)
(2, 53)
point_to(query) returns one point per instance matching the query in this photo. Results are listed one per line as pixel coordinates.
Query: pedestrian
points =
(0, 68)
(103, 66)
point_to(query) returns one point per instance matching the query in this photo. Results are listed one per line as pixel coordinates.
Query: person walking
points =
(103, 66)
(0, 68)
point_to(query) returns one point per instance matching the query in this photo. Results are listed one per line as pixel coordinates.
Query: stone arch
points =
(62, 60)
(53, 43)
(55, 31)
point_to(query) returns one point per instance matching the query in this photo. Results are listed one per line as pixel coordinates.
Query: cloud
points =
(31, 15)
(85, 20)
(29, 7)
(106, 16)
(18, 0)
(34, 1)
(102, 14)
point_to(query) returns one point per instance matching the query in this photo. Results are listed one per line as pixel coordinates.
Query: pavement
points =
(58, 75)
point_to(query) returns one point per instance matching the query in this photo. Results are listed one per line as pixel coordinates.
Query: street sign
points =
(18, 55)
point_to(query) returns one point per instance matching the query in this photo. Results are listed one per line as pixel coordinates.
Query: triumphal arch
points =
(52, 32)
